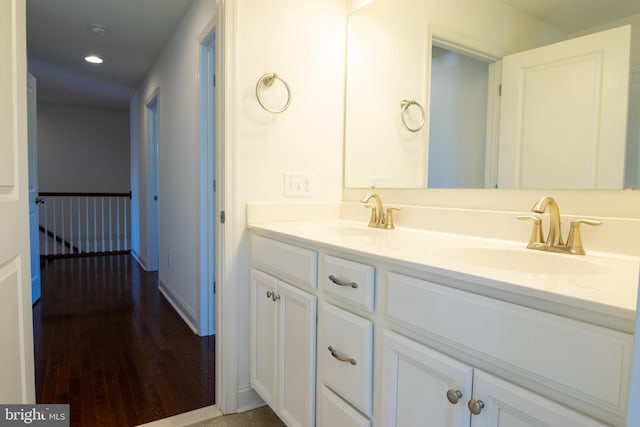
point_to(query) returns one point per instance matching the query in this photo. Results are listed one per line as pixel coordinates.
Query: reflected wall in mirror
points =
(566, 116)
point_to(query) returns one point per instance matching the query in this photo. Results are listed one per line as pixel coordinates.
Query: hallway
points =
(109, 344)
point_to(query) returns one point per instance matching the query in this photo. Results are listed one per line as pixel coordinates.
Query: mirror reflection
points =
(493, 94)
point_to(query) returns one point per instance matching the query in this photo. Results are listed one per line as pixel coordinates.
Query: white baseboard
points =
(180, 306)
(139, 260)
(248, 399)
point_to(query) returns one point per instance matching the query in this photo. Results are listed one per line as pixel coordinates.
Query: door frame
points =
(34, 204)
(208, 179)
(461, 44)
(152, 135)
(226, 274)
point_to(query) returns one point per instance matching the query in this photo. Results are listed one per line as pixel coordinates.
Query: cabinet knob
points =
(341, 282)
(453, 396)
(275, 297)
(269, 294)
(475, 406)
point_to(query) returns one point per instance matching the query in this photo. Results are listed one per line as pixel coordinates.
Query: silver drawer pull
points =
(341, 282)
(342, 358)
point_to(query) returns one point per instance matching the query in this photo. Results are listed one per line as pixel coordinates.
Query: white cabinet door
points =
(504, 404)
(296, 356)
(418, 383)
(263, 336)
(564, 114)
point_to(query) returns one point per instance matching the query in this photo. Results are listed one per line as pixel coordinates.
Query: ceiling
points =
(59, 37)
(571, 16)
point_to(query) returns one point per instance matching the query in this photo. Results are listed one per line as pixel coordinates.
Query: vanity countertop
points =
(599, 288)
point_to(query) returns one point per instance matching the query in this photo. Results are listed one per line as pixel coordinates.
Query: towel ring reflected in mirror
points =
(404, 105)
(268, 80)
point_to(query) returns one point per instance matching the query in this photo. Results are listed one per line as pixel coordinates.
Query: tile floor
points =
(211, 416)
(261, 417)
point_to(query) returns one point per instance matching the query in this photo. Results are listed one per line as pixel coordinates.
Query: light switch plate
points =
(298, 184)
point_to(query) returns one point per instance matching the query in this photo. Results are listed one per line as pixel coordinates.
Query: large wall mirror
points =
(493, 94)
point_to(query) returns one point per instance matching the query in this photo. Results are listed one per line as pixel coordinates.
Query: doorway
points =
(207, 182)
(460, 87)
(153, 232)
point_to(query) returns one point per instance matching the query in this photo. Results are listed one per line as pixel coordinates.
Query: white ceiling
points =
(58, 38)
(571, 16)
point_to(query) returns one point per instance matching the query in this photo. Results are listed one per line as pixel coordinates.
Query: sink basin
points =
(342, 230)
(525, 261)
(335, 231)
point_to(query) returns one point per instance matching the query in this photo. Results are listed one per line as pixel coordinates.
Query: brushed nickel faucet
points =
(554, 242)
(554, 238)
(380, 217)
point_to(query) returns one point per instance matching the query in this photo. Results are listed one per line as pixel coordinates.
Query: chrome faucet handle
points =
(374, 215)
(574, 240)
(536, 233)
(388, 218)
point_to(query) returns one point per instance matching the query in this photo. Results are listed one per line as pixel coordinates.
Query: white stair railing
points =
(80, 224)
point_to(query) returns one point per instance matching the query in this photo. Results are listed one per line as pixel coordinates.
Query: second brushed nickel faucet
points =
(380, 217)
(554, 241)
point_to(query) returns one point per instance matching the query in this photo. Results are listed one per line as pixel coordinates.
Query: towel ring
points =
(405, 104)
(268, 80)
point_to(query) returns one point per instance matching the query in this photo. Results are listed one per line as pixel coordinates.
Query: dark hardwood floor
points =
(109, 344)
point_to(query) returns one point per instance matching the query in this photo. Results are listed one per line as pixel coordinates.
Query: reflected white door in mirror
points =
(560, 123)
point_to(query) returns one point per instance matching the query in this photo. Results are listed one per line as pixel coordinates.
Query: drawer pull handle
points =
(342, 358)
(476, 406)
(341, 282)
(453, 396)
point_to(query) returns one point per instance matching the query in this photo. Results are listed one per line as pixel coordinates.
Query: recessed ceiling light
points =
(93, 59)
(98, 29)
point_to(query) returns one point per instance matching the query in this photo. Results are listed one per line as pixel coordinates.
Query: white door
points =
(297, 350)
(34, 215)
(421, 387)
(17, 384)
(564, 114)
(263, 336)
(506, 405)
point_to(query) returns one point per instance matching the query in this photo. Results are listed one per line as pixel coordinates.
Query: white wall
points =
(387, 56)
(175, 77)
(304, 42)
(83, 149)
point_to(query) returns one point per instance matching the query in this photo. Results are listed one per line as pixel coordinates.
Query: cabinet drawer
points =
(296, 265)
(335, 412)
(346, 352)
(350, 281)
(586, 362)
